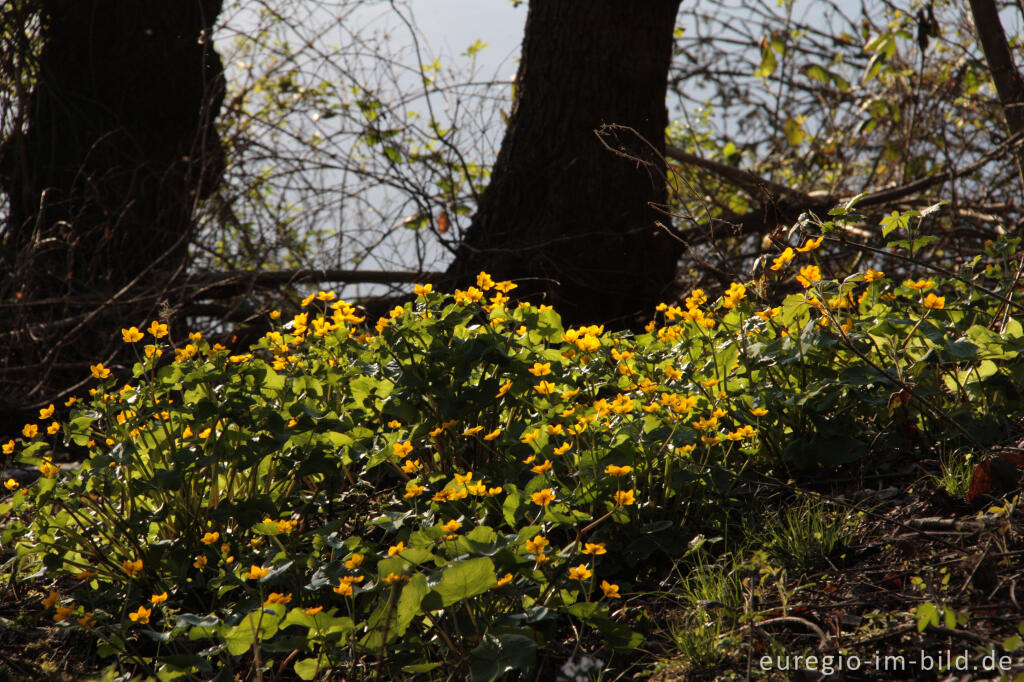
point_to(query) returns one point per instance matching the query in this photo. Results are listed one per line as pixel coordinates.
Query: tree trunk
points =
(118, 148)
(567, 218)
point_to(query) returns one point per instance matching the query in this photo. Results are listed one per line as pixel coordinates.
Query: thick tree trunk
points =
(103, 181)
(563, 215)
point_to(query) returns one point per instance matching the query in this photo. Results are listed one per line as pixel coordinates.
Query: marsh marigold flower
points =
(210, 538)
(345, 589)
(257, 573)
(158, 330)
(141, 616)
(158, 598)
(11, 484)
(99, 371)
(594, 548)
(580, 572)
(919, 285)
(809, 274)
(611, 591)
(545, 388)
(51, 599)
(8, 447)
(354, 562)
(492, 435)
(873, 275)
(30, 430)
(537, 545)
(47, 412)
(543, 497)
(48, 469)
(131, 335)
(624, 498)
(277, 598)
(540, 370)
(395, 550)
(934, 302)
(63, 613)
(783, 258)
(810, 245)
(504, 580)
(615, 470)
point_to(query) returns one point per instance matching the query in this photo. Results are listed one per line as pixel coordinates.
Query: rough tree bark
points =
(102, 181)
(565, 217)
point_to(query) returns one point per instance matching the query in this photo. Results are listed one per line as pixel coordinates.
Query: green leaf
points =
(497, 656)
(466, 579)
(307, 668)
(409, 602)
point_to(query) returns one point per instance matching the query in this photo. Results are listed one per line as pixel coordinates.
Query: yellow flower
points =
(412, 490)
(809, 274)
(313, 611)
(99, 371)
(141, 616)
(563, 448)
(157, 599)
(210, 538)
(411, 466)
(873, 275)
(782, 259)
(131, 335)
(200, 562)
(504, 580)
(769, 313)
(624, 498)
(934, 302)
(537, 545)
(354, 562)
(504, 389)
(611, 591)
(277, 598)
(594, 548)
(158, 330)
(451, 526)
(580, 572)
(530, 437)
(614, 470)
(326, 296)
(392, 578)
(919, 285)
(29, 430)
(472, 430)
(758, 411)
(257, 573)
(287, 525)
(8, 447)
(395, 550)
(810, 245)
(543, 498)
(479, 488)
(344, 589)
(86, 621)
(422, 289)
(11, 484)
(48, 469)
(47, 412)
(51, 599)
(402, 449)
(132, 568)
(53, 428)
(63, 613)
(542, 468)
(545, 388)
(493, 434)
(491, 492)
(540, 370)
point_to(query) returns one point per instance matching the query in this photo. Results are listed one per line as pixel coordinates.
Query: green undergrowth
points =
(466, 489)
